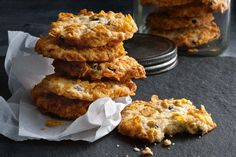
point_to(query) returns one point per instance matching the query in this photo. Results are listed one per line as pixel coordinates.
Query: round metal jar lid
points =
(156, 54)
(160, 68)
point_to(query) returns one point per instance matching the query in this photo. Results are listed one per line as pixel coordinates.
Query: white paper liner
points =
(20, 120)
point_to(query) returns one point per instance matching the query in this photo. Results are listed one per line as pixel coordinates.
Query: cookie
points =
(152, 120)
(217, 5)
(53, 48)
(60, 106)
(85, 90)
(158, 21)
(165, 3)
(194, 10)
(89, 29)
(191, 37)
(120, 69)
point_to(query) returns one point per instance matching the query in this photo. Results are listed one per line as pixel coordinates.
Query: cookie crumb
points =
(53, 123)
(155, 144)
(147, 152)
(199, 136)
(167, 142)
(193, 50)
(117, 145)
(136, 149)
(126, 155)
(173, 143)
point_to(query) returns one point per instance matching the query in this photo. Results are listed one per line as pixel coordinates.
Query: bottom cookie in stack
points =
(70, 98)
(60, 106)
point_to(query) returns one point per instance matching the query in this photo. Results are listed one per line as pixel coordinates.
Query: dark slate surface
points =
(209, 81)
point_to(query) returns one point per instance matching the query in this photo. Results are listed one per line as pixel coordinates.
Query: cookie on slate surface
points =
(153, 120)
(120, 69)
(195, 9)
(53, 48)
(60, 106)
(85, 90)
(89, 29)
(191, 37)
(158, 21)
(165, 3)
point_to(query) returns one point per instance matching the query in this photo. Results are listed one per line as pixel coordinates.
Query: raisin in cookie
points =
(53, 48)
(120, 69)
(89, 29)
(191, 37)
(85, 90)
(153, 120)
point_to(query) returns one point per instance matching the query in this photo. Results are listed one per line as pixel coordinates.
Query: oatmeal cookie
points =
(191, 37)
(165, 3)
(53, 48)
(157, 21)
(89, 29)
(153, 120)
(194, 10)
(120, 69)
(85, 90)
(60, 106)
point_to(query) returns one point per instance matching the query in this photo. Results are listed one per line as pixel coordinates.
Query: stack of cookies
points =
(189, 23)
(90, 62)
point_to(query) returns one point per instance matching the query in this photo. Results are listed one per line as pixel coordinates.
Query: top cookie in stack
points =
(188, 23)
(90, 62)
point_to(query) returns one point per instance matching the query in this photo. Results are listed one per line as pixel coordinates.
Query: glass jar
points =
(198, 28)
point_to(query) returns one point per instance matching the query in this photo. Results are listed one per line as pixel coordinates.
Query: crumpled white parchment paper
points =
(20, 120)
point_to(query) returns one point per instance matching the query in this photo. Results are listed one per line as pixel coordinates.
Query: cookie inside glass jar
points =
(197, 27)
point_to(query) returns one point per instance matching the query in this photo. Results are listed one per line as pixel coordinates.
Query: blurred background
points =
(35, 17)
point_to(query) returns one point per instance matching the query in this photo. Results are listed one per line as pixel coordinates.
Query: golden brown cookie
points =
(85, 90)
(165, 3)
(158, 21)
(89, 29)
(194, 10)
(152, 120)
(60, 106)
(53, 48)
(191, 37)
(217, 5)
(120, 69)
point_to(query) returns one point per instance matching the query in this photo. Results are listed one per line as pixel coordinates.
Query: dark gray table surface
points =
(209, 81)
